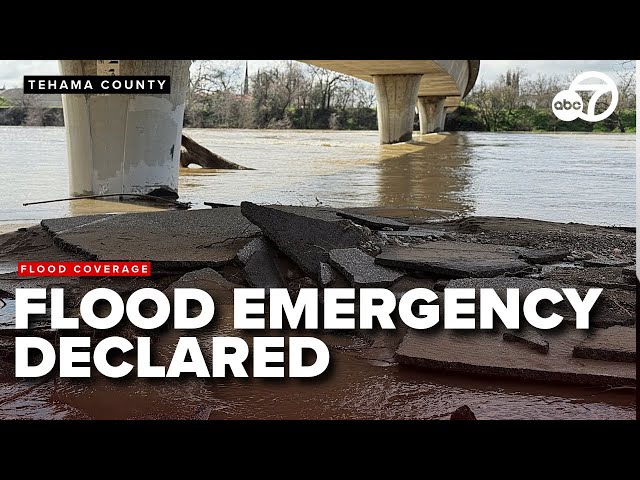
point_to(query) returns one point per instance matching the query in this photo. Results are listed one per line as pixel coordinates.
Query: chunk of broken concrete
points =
(361, 270)
(440, 285)
(615, 344)
(207, 279)
(246, 252)
(264, 265)
(58, 225)
(304, 234)
(328, 274)
(261, 271)
(415, 232)
(169, 239)
(454, 259)
(629, 272)
(607, 262)
(463, 413)
(407, 283)
(544, 256)
(373, 222)
(485, 353)
(530, 338)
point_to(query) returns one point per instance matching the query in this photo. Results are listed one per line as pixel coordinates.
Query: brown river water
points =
(580, 178)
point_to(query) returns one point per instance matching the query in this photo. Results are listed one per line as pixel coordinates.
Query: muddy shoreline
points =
(280, 246)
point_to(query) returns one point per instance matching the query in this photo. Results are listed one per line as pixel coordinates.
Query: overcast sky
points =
(11, 71)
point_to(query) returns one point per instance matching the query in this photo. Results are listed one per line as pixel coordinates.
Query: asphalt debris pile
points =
(293, 247)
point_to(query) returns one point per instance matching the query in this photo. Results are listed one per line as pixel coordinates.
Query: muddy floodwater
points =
(353, 387)
(557, 177)
(564, 177)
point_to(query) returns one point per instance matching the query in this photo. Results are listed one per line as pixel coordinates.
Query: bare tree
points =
(364, 95)
(209, 76)
(28, 109)
(626, 83)
(496, 102)
(539, 92)
(214, 94)
(354, 93)
(326, 82)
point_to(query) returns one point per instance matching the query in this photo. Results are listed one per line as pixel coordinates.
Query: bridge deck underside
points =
(439, 77)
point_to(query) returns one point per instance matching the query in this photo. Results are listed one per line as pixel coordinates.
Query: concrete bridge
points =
(131, 143)
(437, 85)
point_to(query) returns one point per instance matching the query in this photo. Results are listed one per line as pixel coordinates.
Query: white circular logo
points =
(568, 104)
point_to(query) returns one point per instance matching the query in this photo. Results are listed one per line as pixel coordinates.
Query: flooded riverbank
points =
(556, 177)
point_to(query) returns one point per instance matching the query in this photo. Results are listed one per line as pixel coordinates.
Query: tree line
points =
(517, 102)
(286, 95)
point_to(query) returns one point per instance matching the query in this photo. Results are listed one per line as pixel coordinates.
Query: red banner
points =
(84, 269)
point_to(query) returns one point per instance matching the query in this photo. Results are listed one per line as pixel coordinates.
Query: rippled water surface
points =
(560, 177)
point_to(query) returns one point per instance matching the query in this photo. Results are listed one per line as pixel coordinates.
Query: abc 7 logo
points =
(568, 104)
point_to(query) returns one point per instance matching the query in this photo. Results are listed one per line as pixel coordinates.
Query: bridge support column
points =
(396, 96)
(125, 143)
(443, 119)
(432, 114)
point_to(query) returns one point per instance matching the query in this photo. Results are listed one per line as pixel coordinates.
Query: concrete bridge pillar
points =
(125, 143)
(443, 119)
(396, 96)
(432, 114)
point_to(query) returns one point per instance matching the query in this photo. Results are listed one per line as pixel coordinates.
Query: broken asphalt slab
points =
(604, 277)
(616, 344)
(304, 234)
(454, 259)
(607, 262)
(34, 244)
(373, 222)
(260, 269)
(629, 272)
(246, 252)
(328, 275)
(207, 279)
(170, 239)
(548, 255)
(485, 353)
(414, 232)
(58, 225)
(530, 338)
(409, 215)
(360, 269)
